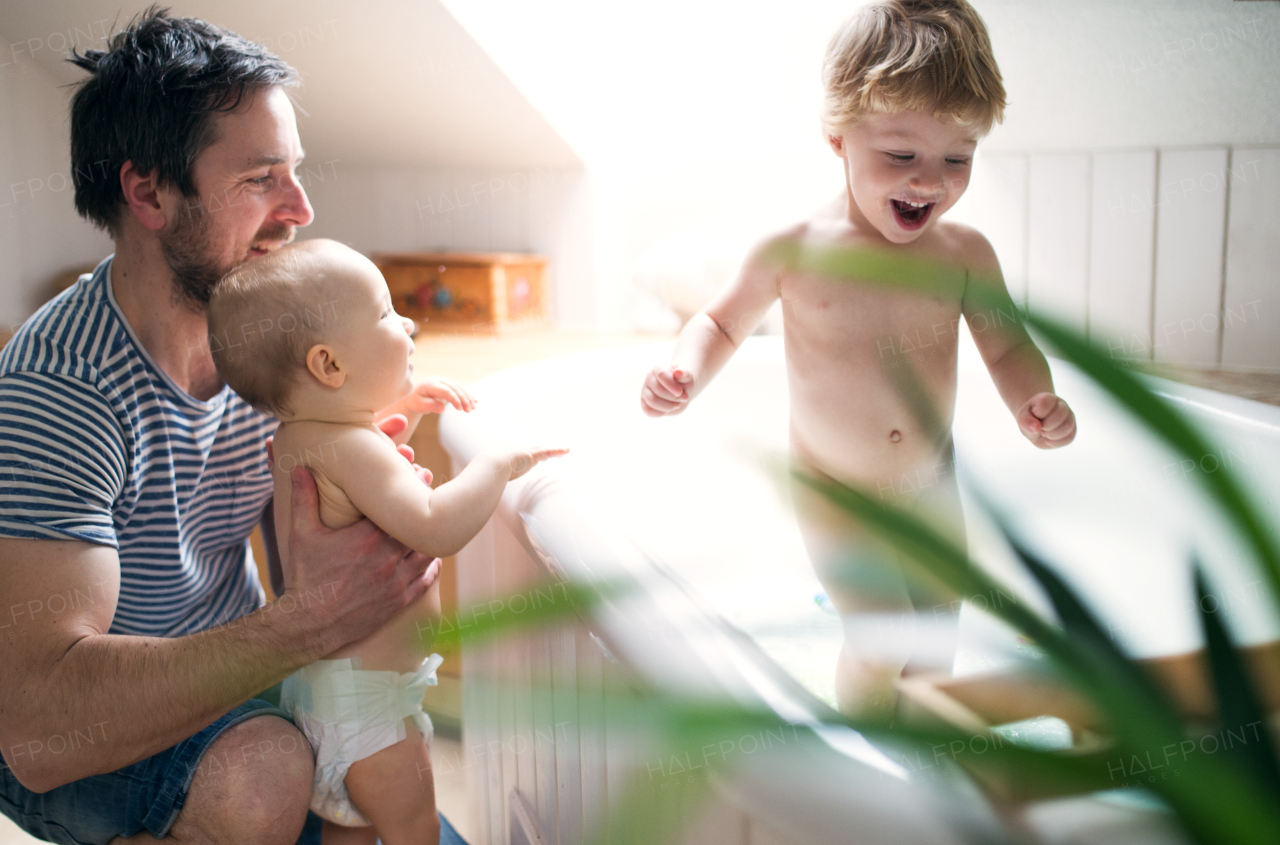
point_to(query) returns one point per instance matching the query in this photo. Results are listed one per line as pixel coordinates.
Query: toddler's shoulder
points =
(776, 248)
(968, 246)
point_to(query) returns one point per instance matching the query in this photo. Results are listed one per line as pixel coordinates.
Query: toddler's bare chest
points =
(869, 316)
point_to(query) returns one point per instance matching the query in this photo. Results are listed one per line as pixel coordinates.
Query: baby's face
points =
(375, 343)
(904, 170)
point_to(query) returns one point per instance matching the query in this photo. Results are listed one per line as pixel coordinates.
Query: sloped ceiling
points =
(396, 83)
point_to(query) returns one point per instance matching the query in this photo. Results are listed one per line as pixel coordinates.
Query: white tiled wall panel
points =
(1141, 248)
(1251, 313)
(996, 204)
(1058, 236)
(1121, 252)
(1190, 218)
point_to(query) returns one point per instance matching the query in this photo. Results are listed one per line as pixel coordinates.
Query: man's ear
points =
(323, 364)
(143, 196)
(837, 144)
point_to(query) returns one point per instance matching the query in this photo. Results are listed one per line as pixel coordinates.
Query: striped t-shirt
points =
(98, 444)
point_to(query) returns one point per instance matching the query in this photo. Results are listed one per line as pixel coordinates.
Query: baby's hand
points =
(523, 461)
(666, 390)
(1046, 421)
(431, 395)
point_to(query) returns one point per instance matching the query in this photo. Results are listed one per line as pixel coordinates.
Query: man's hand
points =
(1047, 421)
(393, 425)
(431, 395)
(371, 575)
(666, 390)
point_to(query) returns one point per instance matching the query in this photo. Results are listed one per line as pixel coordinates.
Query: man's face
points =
(248, 198)
(904, 170)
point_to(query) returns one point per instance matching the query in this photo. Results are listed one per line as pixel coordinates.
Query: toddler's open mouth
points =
(911, 215)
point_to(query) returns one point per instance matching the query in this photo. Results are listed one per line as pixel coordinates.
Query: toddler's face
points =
(376, 343)
(904, 170)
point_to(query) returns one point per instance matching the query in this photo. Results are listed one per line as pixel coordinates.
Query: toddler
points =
(308, 333)
(910, 87)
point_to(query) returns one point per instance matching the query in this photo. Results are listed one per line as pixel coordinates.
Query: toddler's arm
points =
(711, 337)
(383, 486)
(1017, 367)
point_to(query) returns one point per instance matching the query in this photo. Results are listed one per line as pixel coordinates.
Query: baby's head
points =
(310, 330)
(910, 87)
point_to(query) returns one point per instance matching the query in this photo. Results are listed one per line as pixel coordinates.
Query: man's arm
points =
(63, 678)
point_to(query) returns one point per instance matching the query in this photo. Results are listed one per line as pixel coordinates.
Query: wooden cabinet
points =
(471, 292)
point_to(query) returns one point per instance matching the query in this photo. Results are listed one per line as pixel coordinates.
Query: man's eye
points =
(261, 180)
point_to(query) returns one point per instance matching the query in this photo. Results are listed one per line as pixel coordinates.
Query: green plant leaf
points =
(1142, 699)
(1238, 704)
(1214, 801)
(546, 603)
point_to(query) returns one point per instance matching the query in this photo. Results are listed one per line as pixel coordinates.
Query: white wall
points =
(701, 115)
(40, 233)
(1088, 74)
(1167, 254)
(528, 209)
(398, 105)
(689, 116)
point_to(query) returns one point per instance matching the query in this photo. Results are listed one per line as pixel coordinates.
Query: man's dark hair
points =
(151, 98)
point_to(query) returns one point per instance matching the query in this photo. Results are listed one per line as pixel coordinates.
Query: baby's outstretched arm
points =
(429, 396)
(1018, 369)
(384, 487)
(711, 337)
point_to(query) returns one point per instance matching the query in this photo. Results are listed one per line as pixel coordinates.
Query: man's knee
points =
(255, 781)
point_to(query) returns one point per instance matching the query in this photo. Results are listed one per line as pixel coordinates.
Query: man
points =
(133, 641)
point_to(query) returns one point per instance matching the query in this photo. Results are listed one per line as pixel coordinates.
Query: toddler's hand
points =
(431, 395)
(666, 390)
(1047, 421)
(523, 461)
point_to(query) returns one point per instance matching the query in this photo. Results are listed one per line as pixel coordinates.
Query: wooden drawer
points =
(475, 292)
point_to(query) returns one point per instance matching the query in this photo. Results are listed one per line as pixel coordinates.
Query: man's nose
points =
(294, 208)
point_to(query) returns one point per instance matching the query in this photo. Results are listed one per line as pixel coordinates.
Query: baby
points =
(308, 333)
(910, 87)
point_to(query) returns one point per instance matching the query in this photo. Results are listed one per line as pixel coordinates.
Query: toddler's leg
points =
(890, 625)
(865, 585)
(395, 790)
(938, 613)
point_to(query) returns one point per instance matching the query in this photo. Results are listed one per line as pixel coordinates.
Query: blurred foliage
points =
(1220, 799)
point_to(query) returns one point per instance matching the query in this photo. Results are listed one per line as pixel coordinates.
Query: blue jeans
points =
(144, 796)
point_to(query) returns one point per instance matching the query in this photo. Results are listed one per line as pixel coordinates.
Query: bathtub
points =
(685, 507)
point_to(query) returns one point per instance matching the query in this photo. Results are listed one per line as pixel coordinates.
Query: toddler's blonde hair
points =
(266, 314)
(913, 55)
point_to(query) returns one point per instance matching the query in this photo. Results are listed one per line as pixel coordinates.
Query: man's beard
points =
(196, 268)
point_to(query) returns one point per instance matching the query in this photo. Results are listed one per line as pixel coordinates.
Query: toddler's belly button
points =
(895, 436)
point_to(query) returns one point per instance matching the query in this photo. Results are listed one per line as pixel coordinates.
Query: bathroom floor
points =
(452, 796)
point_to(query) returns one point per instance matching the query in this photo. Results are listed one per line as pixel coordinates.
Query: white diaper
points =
(348, 714)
